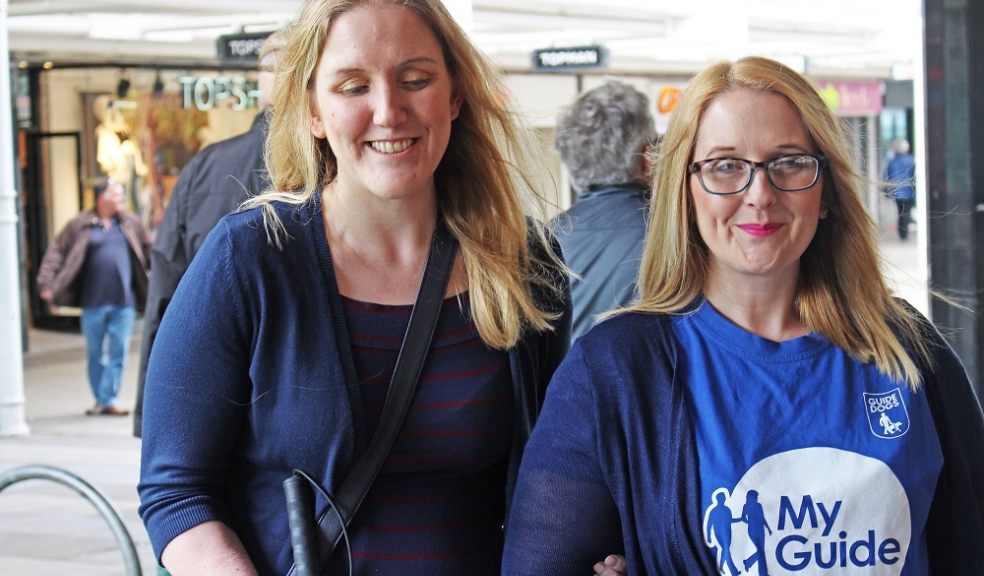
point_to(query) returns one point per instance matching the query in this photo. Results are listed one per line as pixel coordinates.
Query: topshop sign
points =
(232, 92)
(574, 58)
(205, 93)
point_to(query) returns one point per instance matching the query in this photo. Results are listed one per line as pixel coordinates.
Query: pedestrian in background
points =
(602, 139)
(901, 175)
(98, 262)
(216, 181)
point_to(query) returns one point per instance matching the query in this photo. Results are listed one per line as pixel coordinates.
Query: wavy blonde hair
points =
(483, 191)
(841, 293)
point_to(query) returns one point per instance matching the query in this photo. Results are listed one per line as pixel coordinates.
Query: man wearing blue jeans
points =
(99, 324)
(98, 262)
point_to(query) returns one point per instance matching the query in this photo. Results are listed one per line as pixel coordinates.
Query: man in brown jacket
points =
(98, 262)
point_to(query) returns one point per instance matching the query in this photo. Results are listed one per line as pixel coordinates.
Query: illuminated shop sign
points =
(240, 47)
(574, 58)
(205, 93)
(667, 99)
(852, 98)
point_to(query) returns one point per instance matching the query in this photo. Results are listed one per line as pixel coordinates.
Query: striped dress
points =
(438, 505)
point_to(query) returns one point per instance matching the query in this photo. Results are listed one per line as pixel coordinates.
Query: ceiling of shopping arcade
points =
(875, 39)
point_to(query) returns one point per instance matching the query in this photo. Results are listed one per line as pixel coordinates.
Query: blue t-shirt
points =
(810, 461)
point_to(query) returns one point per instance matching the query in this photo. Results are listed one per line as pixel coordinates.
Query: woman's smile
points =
(392, 146)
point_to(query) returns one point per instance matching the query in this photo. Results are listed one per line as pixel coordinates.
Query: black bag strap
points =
(403, 385)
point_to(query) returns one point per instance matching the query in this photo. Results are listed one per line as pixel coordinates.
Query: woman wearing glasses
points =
(767, 407)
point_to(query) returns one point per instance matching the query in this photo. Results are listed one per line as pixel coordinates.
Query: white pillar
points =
(12, 421)
(920, 147)
(462, 11)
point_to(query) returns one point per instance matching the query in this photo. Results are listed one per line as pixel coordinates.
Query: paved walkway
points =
(47, 529)
(901, 259)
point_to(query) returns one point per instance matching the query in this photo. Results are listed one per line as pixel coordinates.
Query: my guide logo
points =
(811, 511)
(887, 415)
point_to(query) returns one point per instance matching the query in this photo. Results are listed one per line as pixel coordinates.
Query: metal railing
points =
(84, 489)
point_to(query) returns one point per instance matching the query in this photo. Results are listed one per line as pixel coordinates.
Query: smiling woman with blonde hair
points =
(390, 132)
(841, 292)
(766, 362)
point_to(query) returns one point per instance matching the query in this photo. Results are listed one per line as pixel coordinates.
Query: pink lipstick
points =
(760, 229)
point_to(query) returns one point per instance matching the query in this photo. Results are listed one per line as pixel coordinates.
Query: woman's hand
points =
(210, 548)
(614, 565)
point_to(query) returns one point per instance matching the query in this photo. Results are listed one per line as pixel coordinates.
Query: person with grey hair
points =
(98, 262)
(602, 139)
(216, 181)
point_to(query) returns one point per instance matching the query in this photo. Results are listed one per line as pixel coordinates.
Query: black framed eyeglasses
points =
(789, 173)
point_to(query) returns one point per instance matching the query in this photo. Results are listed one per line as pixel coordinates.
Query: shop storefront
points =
(137, 125)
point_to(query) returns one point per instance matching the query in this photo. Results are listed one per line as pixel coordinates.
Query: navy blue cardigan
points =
(612, 464)
(251, 375)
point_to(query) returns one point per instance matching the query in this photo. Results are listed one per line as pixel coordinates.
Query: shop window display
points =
(143, 142)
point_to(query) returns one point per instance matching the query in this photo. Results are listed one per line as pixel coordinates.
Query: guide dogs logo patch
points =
(886, 412)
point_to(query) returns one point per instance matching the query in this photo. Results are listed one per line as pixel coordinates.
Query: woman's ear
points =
(317, 125)
(455, 104)
(317, 128)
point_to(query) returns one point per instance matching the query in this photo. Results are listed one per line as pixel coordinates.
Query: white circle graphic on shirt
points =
(813, 511)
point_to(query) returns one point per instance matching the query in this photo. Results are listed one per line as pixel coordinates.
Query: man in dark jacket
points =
(98, 262)
(216, 181)
(602, 139)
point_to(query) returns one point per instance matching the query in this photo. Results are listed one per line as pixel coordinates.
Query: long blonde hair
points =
(841, 293)
(483, 191)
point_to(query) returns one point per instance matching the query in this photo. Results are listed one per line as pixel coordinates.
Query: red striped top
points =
(438, 504)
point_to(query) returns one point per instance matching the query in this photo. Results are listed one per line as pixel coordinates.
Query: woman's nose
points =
(760, 193)
(389, 107)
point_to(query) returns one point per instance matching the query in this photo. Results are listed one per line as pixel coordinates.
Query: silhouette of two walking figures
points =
(719, 522)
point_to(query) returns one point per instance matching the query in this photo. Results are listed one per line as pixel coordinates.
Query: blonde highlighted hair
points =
(482, 189)
(841, 293)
